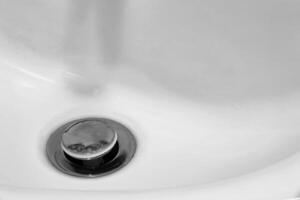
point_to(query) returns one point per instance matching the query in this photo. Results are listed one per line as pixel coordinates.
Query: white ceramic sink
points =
(210, 89)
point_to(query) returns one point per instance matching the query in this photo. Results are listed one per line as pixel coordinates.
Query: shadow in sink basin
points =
(218, 52)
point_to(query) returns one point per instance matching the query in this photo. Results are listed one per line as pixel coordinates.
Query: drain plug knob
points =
(87, 140)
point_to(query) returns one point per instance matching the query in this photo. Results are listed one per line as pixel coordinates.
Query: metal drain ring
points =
(116, 158)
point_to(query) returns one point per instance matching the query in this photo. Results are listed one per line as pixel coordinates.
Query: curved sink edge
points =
(284, 176)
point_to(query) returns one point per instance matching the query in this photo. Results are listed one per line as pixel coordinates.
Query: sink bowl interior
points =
(209, 88)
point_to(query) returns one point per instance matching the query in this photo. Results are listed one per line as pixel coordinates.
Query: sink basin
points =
(210, 89)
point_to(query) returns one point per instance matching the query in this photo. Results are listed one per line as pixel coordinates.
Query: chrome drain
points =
(90, 147)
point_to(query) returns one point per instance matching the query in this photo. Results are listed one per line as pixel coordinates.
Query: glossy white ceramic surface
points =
(209, 88)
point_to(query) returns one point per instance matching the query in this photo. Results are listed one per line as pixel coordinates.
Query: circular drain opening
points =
(90, 147)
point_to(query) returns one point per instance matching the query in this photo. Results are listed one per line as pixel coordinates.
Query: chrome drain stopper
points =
(88, 140)
(90, 147)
